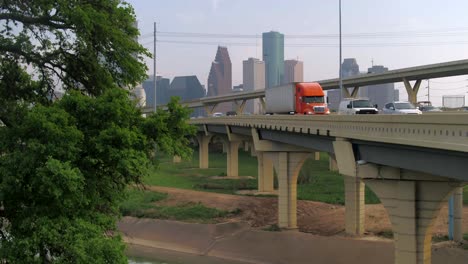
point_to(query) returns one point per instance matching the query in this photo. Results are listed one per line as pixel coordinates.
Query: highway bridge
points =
(412, 163)
(351, 84)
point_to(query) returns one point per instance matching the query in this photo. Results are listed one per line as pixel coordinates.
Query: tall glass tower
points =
(273, 56)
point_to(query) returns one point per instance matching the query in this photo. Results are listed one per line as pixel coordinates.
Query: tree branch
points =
(43, 20)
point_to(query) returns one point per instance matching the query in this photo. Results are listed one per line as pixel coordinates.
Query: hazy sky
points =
(393, 33)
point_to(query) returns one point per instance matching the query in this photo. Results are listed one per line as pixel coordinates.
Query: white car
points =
(217, 114)
(356, 106)
(399, 108)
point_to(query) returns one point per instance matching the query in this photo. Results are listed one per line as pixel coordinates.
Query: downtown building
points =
(253, 79)
(349, 68)
(188, 88)
(273, 56)
(220, 78)
(162, 91)
(293, 71)
(185, 87)
(379, 94)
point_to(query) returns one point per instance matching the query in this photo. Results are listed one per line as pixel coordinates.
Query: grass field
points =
(322, 185)
(317, 184)
(140, 203)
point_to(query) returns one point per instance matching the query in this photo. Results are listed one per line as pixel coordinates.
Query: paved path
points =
(239, 243)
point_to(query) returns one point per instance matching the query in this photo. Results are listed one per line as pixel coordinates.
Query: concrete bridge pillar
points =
(413, 207)
(246, 146)
(203, 142)
(224, 148)
(265, 173)
(232, 150)
(354, 187)
(176, 159)
(287, 161)
(317, 155)
(412, 90)
(458, 214)
(287, 166)
(332, 166)
(355, 213)
(253, 152)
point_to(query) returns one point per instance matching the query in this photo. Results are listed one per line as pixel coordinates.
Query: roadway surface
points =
(237, 243)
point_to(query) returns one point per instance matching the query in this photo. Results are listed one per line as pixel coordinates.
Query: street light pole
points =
(154, 67)
(341, 71)
(428, 90)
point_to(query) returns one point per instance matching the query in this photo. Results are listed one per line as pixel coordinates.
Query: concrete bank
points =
(238, 243)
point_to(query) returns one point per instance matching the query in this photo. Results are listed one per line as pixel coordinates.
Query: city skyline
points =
(395, 37)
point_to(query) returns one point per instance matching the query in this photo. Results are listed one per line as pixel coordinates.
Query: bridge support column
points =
(458, 214)
(412, 90)
(287, 166)
(232, 150)
(354, 187)
(253, 152)
(262, 102)
(287, 161)
(413, 207)
(265, 173)
(332, 165)
(353, 94)
(317, 155)
(355, 213)
(176, 159)
(225, 147)
(203, 142)
(246, 146)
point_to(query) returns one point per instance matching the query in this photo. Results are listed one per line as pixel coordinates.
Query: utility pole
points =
(341, 72)
(154, 67)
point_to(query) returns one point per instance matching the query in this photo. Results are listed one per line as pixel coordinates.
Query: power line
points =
(315, 45)
(389, 34)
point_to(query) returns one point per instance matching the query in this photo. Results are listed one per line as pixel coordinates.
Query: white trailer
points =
(281, 99)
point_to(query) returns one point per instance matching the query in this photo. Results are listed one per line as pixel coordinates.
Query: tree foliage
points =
(64, 165)
(86, 44)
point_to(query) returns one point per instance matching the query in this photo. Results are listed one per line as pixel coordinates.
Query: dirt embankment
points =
(313, 217)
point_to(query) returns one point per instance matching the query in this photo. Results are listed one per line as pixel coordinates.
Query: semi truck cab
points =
(310, 99)
(296, 98)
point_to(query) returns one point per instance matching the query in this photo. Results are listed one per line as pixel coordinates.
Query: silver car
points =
(429, 108)
(399, 108)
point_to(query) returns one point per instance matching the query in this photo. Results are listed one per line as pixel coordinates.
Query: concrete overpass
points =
(405, 75)
(412, 163)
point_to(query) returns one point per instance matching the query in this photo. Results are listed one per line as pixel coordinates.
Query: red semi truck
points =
(296, 98)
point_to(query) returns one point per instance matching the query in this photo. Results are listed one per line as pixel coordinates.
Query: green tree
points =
(64, 165)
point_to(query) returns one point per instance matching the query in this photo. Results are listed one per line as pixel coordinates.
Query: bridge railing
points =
(441, 131)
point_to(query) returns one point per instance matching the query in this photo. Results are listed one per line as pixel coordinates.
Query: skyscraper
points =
(293, 71)
(273, 56)
(162, 96)
(220, 77)
(349, 68)
(253, 79)
(379, 94)
(187, 88)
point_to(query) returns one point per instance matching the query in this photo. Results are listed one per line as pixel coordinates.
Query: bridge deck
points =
(439, 131)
